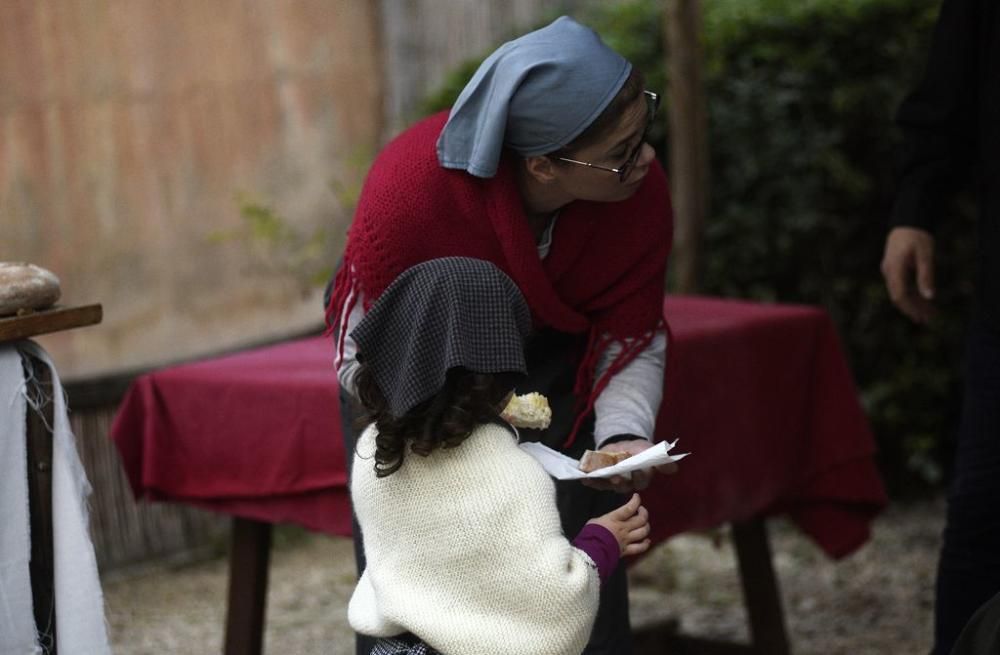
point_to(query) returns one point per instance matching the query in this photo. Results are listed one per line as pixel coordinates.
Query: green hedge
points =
(801, 95)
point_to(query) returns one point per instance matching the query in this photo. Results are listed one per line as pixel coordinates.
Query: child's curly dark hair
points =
(445, 420)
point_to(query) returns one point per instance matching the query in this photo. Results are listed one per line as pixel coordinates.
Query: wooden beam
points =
(46, 321)
(688, 130)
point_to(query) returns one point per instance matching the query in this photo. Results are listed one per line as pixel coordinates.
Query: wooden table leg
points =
(39, 449)
(249, 558)
(760, 596)
(760, 588)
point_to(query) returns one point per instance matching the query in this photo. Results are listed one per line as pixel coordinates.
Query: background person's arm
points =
(939, 122)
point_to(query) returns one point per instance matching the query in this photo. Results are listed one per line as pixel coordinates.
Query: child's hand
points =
(630, 526)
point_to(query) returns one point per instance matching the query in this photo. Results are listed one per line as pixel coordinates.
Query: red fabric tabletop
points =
(759, 394)
(762, 397)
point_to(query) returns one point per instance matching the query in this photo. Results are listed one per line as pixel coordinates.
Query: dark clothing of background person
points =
(981, 635)
(951, 129)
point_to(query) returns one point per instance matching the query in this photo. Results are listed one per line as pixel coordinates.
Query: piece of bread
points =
(599, 459)
(528, 411)
(25, 287)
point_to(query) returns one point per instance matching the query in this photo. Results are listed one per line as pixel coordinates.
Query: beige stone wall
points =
(132, 130)
(425, 39)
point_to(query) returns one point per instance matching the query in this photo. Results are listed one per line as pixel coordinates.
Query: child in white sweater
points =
(465, 553)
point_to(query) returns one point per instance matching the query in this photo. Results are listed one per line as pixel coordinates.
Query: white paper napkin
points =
(562, 467)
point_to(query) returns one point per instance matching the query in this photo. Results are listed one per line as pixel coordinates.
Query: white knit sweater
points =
(465, 550)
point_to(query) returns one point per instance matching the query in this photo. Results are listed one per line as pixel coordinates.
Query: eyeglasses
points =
(623, 171)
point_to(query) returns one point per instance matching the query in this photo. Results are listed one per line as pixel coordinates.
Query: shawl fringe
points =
(587, 388)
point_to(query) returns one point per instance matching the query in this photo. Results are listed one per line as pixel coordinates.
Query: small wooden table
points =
(39, 449)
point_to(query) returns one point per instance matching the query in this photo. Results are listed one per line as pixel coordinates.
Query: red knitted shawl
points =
(603, 277)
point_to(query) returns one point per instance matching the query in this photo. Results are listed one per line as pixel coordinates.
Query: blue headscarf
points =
(535, 94)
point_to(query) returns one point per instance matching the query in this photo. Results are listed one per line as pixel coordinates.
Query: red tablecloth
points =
(759, 394)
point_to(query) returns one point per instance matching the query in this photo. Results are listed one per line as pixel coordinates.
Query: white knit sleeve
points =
(466, 551)
(631, 401)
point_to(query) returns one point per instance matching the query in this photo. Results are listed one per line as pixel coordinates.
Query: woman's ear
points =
(541, 168)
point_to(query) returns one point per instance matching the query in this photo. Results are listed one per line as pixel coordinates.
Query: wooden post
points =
(688, 128)
(760, 588)
(39, 450)
(249, 560)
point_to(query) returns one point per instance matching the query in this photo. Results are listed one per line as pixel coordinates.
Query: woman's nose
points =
(646, 155)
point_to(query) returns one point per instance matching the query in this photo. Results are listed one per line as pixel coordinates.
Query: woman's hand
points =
(630, 526)
(639, 480)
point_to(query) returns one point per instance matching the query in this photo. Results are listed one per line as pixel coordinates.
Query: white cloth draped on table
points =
(80, 624)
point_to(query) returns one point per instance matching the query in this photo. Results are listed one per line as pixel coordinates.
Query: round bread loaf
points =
(25, 286)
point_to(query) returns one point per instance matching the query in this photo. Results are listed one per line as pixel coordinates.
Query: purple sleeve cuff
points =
(601, 546)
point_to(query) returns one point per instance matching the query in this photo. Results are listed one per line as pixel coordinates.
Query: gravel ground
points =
(878, 601)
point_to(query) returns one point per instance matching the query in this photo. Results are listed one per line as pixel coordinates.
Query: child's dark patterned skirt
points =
(402, 645)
